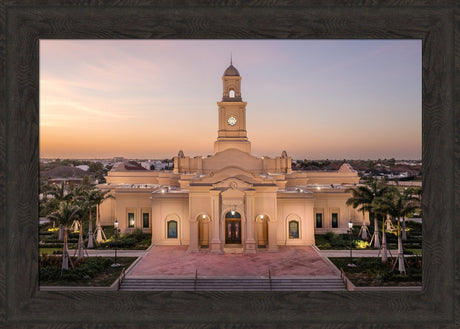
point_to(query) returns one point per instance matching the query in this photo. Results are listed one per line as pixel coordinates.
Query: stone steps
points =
(233, 284)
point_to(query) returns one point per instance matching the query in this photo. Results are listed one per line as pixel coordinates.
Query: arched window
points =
(172, 229)
(293, 229)
(231, 93)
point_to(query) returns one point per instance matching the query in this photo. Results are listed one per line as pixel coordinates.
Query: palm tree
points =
(415, 194)
(398, 204)
(81, 193)
(91, 196)
(363, 197)
(64, 215)
(379, 210)
(60, 193)
(98, 198)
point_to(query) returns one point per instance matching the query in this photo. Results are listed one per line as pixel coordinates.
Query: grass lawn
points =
(370, 271)
(93, 271)
(49, 251)
(135, 241)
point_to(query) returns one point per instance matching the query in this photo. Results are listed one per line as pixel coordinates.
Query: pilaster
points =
(215, 244)
(250, 243)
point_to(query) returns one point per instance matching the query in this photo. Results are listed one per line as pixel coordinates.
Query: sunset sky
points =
(151, 98)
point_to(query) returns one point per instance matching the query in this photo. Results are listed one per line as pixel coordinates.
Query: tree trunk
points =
(364, 231)
(384, 245)
(400, 259)
(81, 247)
(388, 222)
(65, 252)
(90, 231)
(100, 235)
(376, 233)
(404, 236)
(61, 233)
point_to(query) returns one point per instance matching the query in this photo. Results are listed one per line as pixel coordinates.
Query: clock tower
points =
(232, 132)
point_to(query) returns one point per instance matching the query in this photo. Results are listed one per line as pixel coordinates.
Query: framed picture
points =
(26, 24)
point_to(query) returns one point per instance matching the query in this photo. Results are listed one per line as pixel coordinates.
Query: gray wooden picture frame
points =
(24, 23)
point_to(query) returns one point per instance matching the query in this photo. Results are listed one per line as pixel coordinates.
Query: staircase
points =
(234, 284)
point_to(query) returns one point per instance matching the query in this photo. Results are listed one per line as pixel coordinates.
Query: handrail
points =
(196, 278)
(270, 279)
(348, 284)
(121, 278)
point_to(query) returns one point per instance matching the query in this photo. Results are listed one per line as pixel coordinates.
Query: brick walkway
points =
(176, 261)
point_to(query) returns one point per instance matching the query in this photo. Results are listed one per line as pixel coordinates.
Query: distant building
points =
(66, 174)
(232, 198)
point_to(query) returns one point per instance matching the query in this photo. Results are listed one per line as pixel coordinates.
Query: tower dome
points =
(231, 71)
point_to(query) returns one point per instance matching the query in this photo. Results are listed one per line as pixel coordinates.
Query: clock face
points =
(231, 121)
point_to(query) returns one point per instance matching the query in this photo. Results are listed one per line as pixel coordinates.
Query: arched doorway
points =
(262, 231)
(233, 228)
(203, 231)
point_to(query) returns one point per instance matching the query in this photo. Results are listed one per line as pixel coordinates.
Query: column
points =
(215, 244)
(250, 243)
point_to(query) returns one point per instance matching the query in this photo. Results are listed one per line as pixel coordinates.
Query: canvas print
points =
(230, 165)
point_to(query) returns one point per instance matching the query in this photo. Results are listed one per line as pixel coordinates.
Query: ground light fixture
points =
(116, 231)
(350, 232)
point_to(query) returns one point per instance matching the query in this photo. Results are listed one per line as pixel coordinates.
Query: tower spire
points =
(231, 58)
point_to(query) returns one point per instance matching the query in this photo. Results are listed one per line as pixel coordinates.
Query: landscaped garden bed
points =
(370, 271)
(90, 271)
(49, 242)
(332, 241)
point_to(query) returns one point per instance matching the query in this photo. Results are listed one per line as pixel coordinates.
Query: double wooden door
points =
(233, 231)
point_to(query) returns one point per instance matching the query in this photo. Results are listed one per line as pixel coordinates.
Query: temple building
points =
(231, 199)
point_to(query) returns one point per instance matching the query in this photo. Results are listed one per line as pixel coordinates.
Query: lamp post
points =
(350, 232)
(116, 231)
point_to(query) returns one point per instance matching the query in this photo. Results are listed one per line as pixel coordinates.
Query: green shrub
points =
(361, 244)
(138, 235)
(329, 235)
(86, 268)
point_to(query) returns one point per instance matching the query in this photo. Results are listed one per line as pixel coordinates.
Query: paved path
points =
(326, 253)
(356, 253)
(111, 253)
(176, 261)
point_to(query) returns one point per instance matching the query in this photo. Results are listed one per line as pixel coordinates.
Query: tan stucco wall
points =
(170, 206)
(136, 202)
(335, 202)
(232, 157)
(295, 208)
(142, 177)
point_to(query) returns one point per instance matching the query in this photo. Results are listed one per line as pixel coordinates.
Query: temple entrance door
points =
(233, 228)
(233, 231)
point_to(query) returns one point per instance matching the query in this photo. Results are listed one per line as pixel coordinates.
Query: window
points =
(172, 229)
(335, 220)
(293, 229)
(130, 219)
(145, 220)
(231, 93)
(319, 220)
(234, 215)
